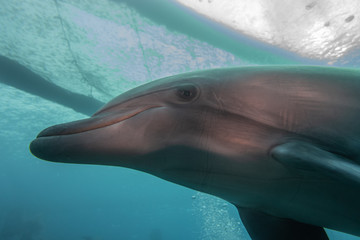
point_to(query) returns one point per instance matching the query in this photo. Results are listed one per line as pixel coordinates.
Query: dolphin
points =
(281, 143)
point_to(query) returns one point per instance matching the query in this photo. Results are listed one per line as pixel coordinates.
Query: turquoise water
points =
(99, 51)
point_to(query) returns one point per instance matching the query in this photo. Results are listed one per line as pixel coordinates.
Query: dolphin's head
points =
(159, 127)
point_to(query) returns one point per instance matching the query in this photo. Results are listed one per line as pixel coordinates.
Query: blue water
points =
(101, 51)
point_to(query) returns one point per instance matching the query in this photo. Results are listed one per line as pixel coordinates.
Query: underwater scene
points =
(63, 61)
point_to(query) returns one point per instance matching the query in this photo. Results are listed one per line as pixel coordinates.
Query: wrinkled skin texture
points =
(213, 131)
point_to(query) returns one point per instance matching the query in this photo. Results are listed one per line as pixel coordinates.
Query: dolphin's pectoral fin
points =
(307, 156)
(261, 226)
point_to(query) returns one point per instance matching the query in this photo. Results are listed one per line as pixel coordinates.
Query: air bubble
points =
(310, 6)
(349, 18)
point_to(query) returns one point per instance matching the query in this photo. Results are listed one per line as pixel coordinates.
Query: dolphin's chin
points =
(65, 149)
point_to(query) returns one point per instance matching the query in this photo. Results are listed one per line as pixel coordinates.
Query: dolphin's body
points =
(280, 143)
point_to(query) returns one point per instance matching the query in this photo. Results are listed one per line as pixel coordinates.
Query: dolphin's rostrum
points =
(280, 143)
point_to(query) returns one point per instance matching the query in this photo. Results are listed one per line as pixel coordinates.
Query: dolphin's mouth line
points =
(95, 122)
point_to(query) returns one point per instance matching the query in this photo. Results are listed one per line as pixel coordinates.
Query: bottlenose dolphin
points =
(280, 143)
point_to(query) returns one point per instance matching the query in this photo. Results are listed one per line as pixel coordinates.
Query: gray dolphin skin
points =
(282, 143)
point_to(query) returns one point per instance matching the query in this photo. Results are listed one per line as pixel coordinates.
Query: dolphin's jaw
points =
(95, 122)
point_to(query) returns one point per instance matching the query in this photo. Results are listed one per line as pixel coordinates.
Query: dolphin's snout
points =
(40, 148)
(34, 148)
(74, 140)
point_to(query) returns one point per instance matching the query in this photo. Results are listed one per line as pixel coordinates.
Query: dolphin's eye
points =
(186, 92)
